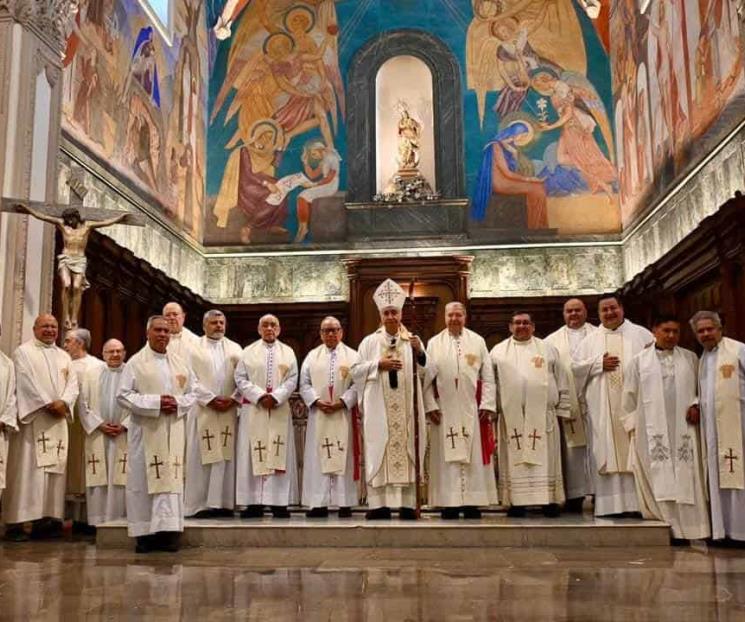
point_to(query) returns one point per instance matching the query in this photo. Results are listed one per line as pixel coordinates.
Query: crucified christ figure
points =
(71, 263)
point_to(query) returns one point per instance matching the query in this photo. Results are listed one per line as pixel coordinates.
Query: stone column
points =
(31, 44)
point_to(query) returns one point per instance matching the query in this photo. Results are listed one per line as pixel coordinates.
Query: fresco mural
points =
(539, 149)
(678, 88)
(137, 102)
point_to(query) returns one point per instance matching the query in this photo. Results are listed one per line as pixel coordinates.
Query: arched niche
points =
(403, 79)
(447, 110)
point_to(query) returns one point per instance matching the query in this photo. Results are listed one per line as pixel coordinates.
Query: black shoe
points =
(280, 511)
(574, 506)
(379, 514)
(345, 512)
(223, 513)
(253, 511)
(209, 513)
(471, 512)
(16, 533)
(169, 541)
(80, 528)
(46, 529)
(517, 511)
(449, 514)
(552, 510)
(317, 513)
(407, 514)
(146, 544)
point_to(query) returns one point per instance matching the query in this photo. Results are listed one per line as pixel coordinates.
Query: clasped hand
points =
(112, 429)
(267, 401)
(610, 362)
(222, 403)
(168, 404)
(329, 407)
(57, 408)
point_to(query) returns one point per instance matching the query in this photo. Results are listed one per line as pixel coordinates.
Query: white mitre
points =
(389, 294)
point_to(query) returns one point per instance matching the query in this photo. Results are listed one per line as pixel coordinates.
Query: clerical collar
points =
(521, 343)
(116, 370)
(268, 344)
(576, 330)
(177, 335)
(458, 336)
(663, 350)
(157, 354)
(212, 341)
(613, 330)
(40, 344)
(331, 349)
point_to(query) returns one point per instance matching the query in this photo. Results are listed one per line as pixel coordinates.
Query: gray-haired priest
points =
(532, 393)
(661, 406)
(46, 388)
(330, 463)
(266, 376)
(384, 376)
(210, 429)
(105, 424)
(158, 389)
(574, 438)
(722, 398)
(8, 412)
(183, 342)
(460, 401)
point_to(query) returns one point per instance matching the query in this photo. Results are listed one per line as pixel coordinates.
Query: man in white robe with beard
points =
(8, 413)
(210, 430)
(158, 389)
(574, 437)
(600, 365)
(183, 342)
(532, 394)
(77, 344)
(721, 380)
(105, 424)
(329, 459)
(384, 377)
(266, 376)
(460, 402)
(46, 390)
(661, 406)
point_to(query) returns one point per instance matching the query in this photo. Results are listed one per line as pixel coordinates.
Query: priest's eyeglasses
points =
(330, 331)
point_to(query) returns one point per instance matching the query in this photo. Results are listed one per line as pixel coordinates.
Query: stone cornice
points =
(49, 19)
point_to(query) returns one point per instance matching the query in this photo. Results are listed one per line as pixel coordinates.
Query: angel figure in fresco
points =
(144, 69)
(283, 64)
(580, 111)
(506, 37)
(505, 170)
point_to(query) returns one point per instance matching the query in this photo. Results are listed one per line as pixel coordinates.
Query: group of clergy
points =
(198, 426)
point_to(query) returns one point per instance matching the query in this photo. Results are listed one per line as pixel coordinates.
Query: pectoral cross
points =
(176, 466)
(93, 461)
(731, 457)
(43, 440)
(208, 437)
(157, 463)
(516, 437)
(277, 442)
(534, 436)
(226, 434)
(327, 446)
(261, 449)
(60, 447)
(123, 462)
(452, 436)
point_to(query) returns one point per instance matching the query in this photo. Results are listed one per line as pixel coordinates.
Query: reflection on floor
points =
(76, 581)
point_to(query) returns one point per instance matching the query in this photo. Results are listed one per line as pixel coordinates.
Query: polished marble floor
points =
(76, 581)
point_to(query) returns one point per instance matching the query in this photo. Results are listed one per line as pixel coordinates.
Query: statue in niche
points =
(407, 184)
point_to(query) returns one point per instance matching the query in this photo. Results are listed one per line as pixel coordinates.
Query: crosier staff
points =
(414, 356)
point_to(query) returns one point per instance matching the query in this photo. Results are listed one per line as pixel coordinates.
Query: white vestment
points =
(658, 389)
(574, 439)
(323, 489)
(150, 513)
(183, 344)
(211, 485)
(531, 382)
(727, 504)
(457, 475)
(388, 419)
(615, 491)
(263, 366)
(8, 412)
(105, 502)
(76, 451)
(43, 375)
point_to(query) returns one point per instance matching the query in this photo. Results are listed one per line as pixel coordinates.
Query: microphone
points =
(392, 373)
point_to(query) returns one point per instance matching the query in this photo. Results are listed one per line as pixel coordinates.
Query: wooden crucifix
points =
(75, 223)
